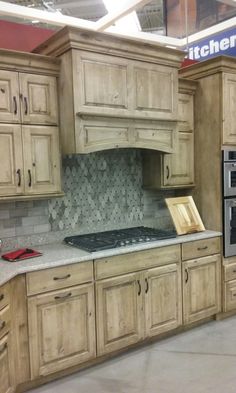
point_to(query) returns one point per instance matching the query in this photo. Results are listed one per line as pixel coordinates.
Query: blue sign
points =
(223, 43)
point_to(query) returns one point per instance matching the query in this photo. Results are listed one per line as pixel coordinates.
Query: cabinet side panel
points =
(66, 102)
(207, 193)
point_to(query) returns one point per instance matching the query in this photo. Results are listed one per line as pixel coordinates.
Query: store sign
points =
(223, 43)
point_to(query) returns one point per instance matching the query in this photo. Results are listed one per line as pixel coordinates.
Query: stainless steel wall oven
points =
(229, 202)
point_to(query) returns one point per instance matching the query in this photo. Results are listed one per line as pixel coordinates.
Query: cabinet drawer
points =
(4, 321)
(4, 295)
(200, 248)
(230, 272)
(59, 277)
(121, 264)
(230, 296)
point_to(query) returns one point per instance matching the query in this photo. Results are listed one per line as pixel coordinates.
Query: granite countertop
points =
(59, 254)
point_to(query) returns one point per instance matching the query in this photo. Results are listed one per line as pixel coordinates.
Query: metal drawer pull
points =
(3, 347)
(139, 288)
(2, 324)
(186, 273)
(147, 285)
(234, 271)
(202, 248)
(30, 178)
(15, 105)
(26, 105)
(63, 296)
(1, 296)
(19, 177)
(61, 278)
(168, 172)
(234, 294)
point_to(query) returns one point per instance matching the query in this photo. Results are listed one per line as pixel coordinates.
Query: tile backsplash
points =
(103, 191)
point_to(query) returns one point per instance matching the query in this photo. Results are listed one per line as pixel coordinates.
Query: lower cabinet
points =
(201, 288)
(6, 367)
(138, 305)
(61, 329)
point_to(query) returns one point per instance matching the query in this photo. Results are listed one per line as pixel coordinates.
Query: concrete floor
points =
(202, 360)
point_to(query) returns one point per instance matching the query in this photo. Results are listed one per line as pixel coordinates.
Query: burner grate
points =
(118, 238)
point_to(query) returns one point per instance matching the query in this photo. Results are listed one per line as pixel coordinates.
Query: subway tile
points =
(33, 221)
(44, 228)
(4, 214)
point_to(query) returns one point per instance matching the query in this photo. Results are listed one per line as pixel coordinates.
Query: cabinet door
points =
(61, 329)
(102, 82)
(119, 312)
(163, 299)
(38, 95)
(6, 367)
(155, 90)
(201, 288)
(229, 113)
(11, 173)
(9, 97)
(41, 159)
(178, 168)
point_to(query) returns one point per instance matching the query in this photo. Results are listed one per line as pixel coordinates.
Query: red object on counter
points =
(20, 254)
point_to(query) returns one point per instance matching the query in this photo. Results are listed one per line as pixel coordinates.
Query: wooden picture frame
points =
(185, 215)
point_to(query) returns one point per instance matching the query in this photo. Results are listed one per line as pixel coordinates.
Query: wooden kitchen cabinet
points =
(175, 170)
(30, 160)
(229, 116)
(6, 354)
(61, 315)
(28, 98)
(29, 139)
(201, 278)
(61, 329)
(129, 84)
(140, 304)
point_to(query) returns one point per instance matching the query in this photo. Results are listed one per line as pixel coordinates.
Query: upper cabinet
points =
(216, 98)
(29, 136)
(115, 92)
(175, 170)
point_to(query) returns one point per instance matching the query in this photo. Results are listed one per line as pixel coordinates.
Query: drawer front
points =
(200, 248)
(4, 295)
(230, 296)
(230, 272)
(128, 263)
(4, 321)
(59, 277)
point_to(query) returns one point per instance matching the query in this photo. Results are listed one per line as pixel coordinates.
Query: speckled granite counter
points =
(58, 254)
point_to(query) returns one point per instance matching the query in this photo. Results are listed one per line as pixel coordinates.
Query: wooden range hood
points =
(115, 92)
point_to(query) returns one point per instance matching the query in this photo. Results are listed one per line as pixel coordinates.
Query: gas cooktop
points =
(118, 238)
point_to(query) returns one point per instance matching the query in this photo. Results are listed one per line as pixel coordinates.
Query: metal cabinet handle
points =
(168, 172)
(19, 177)
(147, 285)
(139, 288)
(186, 273)
(63, 296)
(3, 347)
(61, 278)
(1, 297)
(26, 105)
(2, 324)
(15, 105)
(202, 248)
(30, 178)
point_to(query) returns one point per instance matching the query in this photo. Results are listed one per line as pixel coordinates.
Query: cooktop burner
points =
(118, 238)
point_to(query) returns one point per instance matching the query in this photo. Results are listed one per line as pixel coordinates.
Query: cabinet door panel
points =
(9, 97)
(163, 305)
(38, 99)
(119, 312)
(229, 113)
(6, 367)
(11, 174)
(103, 84)
(61, 329)
(201, 288)
(179, 166)
(155, 91)
(41, 159)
